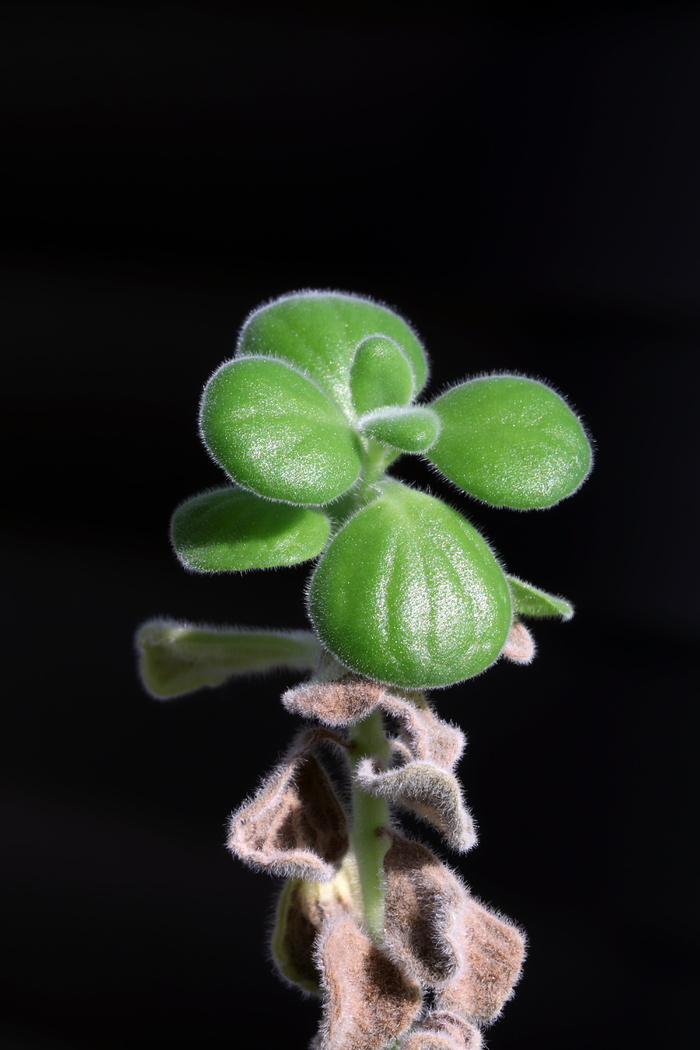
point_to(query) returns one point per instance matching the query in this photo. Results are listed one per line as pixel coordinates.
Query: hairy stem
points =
(370, 816)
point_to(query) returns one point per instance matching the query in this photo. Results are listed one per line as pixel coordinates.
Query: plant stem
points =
(370, 816)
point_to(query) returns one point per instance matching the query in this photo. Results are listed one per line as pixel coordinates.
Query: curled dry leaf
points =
(338, 702)
(294, 825)
(432, 793)
(423, 898)
(427, 737)
(369, 1000)
(442, 1030)
(492, 951)
(520, 646)
(344, 701)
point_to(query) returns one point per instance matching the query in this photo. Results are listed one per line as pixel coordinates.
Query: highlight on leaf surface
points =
(531, 601)
(320, 331)
(511, 442)
(410, 428)
(430, 604)
(276, 433)
(179, 658)
(231, 530)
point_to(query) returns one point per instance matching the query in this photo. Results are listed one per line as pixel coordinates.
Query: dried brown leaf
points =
(423, 900)
(431, 792)
(520, 646)
(492, 951)
(294, 825)
(369, 1000)
(442, 1030)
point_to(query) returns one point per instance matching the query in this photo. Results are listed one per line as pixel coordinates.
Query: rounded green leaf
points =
(380, 375)
(274, 432)
(409, 593)
(319, 332)
(531, 601)
(411, 429)
(511, 442)
(231, 530)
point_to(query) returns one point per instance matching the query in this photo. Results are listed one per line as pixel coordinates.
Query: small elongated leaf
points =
(409, 593)
(276, 433)
(231, 530)
(380, 375)
(178, 658)
(511, 442)
(412, 428)
(531, 601)
(319, 331)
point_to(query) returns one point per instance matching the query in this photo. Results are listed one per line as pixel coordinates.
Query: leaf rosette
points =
(318, 401)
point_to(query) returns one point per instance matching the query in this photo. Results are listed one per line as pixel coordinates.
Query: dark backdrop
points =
(524, 188)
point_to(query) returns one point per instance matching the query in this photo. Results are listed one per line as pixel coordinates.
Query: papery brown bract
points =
(337, 702)
(427, 737)
(442, 1030)
(294, 825)
(520, 646)
(369, 1000)
(432, 793)
(492, 951)
(423, 900)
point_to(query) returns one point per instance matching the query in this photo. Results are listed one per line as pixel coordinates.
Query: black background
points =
(521, 185)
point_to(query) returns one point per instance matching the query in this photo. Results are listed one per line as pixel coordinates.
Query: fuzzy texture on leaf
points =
(520, 646)
(511, 442)
(427, 737)
(410, 428)
(346, 700)
(380, 375)
(180, 658)
(294, 825)
(531, 601)
(339, 702)
(430, 604)
(423, 899)
(369, 1000)
(320, 332)
(231, 530)
(276, 433)
(432, 793)
(492, 951)
(442, 1030)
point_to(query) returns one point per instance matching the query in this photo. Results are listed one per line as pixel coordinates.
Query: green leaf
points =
(511, 442)
(319, 333)
(411, 429)
(409, 593)
(231, 530)
(380, 375)
(275, 433)
(178, 658)
(530, 601)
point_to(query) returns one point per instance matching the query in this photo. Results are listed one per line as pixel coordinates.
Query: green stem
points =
(370, 817)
